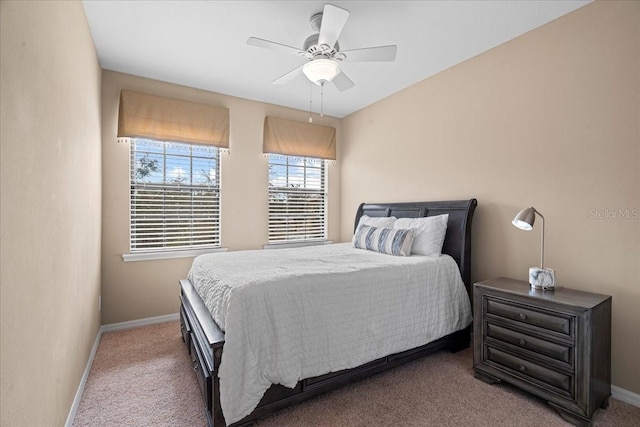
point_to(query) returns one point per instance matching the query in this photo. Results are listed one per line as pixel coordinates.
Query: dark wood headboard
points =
(457, 242)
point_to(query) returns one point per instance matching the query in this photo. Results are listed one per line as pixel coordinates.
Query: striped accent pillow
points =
(390, 241)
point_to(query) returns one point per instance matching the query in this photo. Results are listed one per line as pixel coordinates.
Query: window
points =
(175, 196)
(297, 199)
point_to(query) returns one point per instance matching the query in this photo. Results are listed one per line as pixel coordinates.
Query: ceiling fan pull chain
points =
(310, 97)
(322, 99)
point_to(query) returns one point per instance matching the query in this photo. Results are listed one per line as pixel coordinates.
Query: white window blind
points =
(175, 196)
(297, 199)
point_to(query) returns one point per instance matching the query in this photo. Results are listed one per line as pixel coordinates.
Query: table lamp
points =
(540, 278)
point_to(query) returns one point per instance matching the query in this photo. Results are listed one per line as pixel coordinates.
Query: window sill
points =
(187, 253)
(297, 244)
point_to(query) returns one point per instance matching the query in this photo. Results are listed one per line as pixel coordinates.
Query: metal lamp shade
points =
(525, 219)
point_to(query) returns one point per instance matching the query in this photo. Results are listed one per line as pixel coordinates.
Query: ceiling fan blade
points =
(342, 82)
(254, 41)
(289, 76)
(372, 54)
(333, 20)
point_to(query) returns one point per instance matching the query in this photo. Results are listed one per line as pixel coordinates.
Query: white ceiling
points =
(202, 44)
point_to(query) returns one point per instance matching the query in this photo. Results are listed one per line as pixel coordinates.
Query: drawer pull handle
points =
(523, 316)
(523, 342)
(523, 368)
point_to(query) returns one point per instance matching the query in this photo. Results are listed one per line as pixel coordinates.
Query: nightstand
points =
(556, 345)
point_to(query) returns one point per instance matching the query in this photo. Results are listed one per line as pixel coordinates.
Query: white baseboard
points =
(83, 381)
(625, 396)
(140, 322)
(109, 328)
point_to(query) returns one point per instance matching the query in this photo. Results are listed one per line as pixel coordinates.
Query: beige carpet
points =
(143, 377)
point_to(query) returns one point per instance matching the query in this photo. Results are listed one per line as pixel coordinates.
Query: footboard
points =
(204, 341)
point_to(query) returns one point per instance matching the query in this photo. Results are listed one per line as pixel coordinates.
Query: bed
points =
(205, 339)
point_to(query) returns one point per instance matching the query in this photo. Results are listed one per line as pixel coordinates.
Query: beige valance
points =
(167, 119)
(293, 138)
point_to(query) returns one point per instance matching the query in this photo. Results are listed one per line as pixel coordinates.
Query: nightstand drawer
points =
(526, 314)
(560, 352)
(562, 382)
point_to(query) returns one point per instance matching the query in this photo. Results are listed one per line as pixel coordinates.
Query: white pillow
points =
(375, 221)
(430, 232)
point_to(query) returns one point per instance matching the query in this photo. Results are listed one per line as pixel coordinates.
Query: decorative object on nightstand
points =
(556, 345)
(540, 278)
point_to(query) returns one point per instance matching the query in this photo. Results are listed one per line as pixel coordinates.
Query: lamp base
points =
(542, 279)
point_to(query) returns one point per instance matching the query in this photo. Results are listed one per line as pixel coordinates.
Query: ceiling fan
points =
(323, 51)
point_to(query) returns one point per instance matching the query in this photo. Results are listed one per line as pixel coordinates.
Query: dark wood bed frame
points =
(205, 340)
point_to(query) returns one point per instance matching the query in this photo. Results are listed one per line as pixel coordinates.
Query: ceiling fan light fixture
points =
(321, 70)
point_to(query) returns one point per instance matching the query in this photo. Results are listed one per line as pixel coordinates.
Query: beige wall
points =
(51, 204)
(143, 289)
(550, 119)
